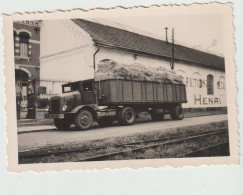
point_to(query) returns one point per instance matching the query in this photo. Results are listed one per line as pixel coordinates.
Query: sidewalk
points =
(146, 117)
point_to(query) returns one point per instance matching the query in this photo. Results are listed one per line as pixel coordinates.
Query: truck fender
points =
(85, 107)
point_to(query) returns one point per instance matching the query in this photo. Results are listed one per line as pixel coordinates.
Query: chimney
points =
(166, 34)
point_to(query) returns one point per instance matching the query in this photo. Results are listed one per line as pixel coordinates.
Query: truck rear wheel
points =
(83, 120)
(62, 124)
(126, 116)
(177, 113)
(105, 121)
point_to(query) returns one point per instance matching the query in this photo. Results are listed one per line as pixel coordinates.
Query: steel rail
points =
(105, 156)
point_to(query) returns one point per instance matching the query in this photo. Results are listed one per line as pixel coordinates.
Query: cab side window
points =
(87, 86)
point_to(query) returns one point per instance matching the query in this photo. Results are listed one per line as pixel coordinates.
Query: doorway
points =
(25, 95)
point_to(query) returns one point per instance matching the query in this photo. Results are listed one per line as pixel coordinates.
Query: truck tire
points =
(62, 124)
(177, 113)
(83, 120)
(105, 121)
(126, 116)
(157, 116)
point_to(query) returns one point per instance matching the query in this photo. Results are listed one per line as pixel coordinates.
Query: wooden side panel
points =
(137, 91)
(178, 93)
(144, 97)
(165, 92)
(160, 92)
(155, 95)
(127, 91)
(169, 92)
(113, 91)
(149, 92)
(119, 91)
(174, 93)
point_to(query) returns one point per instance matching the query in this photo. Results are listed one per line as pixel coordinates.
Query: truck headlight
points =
(64, 107)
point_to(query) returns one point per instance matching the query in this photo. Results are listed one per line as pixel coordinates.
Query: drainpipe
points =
(94, 55)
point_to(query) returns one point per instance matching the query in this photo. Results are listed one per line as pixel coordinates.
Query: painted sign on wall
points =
(207, 101)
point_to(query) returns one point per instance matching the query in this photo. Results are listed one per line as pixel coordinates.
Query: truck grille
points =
(55, 106)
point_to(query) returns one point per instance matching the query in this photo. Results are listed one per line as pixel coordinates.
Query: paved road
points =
(53, 137)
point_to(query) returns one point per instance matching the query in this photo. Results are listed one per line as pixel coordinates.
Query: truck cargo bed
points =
(117, 91)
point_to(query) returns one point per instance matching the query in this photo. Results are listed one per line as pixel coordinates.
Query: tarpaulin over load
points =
(108, 69)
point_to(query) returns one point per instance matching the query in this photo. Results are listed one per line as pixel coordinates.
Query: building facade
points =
(73, 49)
(26, 36)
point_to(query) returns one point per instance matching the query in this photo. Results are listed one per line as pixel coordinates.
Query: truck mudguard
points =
(92, 108)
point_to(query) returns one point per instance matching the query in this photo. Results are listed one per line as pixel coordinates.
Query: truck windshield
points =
(70, 87)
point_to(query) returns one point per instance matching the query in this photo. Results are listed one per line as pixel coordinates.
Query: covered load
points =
(108, 69)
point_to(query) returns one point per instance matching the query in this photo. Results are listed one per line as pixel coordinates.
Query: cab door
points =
(88, 95)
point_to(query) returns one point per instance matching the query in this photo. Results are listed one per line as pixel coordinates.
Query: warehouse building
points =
(72, 50)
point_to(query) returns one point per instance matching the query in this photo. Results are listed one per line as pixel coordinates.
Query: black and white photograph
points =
(121, 88)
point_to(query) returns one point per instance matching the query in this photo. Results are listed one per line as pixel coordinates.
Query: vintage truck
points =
(106, 101)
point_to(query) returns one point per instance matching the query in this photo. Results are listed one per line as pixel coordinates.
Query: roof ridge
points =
(122, 38)
(176, 44)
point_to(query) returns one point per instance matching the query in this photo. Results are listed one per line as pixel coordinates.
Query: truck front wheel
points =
(62, 124)
(83, 120)
(177, 113)
(126, 116)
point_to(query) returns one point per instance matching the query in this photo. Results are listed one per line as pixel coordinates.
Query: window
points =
(66, 88)
(210, 84)
(24, 44)
(70, 87)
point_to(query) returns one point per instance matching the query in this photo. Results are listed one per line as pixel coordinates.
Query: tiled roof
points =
(118, 38)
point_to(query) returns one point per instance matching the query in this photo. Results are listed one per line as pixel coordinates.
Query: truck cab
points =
(75, 97)
(86, 89)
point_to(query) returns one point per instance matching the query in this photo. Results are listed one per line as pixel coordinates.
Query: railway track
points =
(162, 142)
(124, 148)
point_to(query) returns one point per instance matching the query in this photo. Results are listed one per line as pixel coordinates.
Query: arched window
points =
(210, 88)
(197, 80)
(24, 44)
